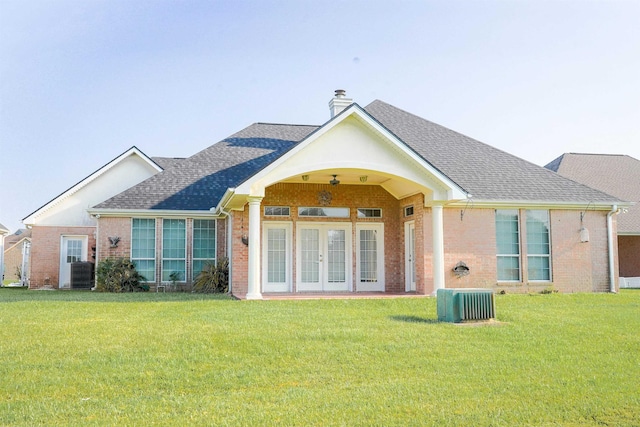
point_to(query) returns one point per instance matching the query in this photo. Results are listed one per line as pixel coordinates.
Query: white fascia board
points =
(31, 218)
(152, 213)
(454, 192)
(532, 204)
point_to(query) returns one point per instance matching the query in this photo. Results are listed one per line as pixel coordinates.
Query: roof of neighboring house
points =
(20, 234)
(615, 174)
(3, 229)
(200, 181)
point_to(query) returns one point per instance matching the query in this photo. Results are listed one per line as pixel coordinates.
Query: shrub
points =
(119, 275)
(214, 278)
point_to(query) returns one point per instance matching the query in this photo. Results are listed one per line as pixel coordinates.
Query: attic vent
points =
(460, 305)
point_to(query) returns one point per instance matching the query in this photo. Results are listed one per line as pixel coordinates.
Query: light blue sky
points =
(83, 81)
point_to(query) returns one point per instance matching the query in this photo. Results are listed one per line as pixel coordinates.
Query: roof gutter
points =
(612, 275)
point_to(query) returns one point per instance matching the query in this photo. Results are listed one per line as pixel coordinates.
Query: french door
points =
(72, 249)
(410, 256)
(323, 257)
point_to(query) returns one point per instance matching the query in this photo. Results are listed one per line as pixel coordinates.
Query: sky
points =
(82, 81)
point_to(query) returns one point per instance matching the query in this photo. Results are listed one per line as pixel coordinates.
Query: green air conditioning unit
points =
(463, 305)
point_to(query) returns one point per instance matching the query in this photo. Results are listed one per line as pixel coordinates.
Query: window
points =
(276, 211)
(277, 255)
(204, 244)
(368, 255)
(143, 247)
(508, 245)
(369, 213)
(324, 212)
(538, 247)
(174, 252)
(408, 211)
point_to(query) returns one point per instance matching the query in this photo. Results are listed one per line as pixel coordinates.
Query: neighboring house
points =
(3, 232)
(16, 256)
(374, 200)
(619, 176)
(63, 232)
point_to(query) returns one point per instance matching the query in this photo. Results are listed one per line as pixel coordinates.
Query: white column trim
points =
(253, 288)
(438, 247)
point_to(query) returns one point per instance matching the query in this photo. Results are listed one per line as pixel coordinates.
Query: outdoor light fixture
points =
(334, 181)
(584, 235)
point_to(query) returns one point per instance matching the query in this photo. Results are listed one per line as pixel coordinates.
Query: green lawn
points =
(71, 358)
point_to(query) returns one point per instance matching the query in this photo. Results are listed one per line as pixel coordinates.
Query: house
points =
(3, 232)
(16, 256)
(374, 200)
(619, 176)
(62, 230)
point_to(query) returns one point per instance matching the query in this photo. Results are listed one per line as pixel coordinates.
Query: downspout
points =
(612, 275)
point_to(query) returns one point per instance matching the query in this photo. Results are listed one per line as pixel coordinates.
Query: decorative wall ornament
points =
(114, 241)
(324, 198)
(461, 269)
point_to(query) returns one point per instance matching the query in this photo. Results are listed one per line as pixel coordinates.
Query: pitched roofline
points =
(17, 243)
(539, 204)
(354, 108)
(90, 178)
(150, 212)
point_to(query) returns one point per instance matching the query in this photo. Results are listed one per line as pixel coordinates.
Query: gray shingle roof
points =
(618, 175)
(200, 181)
(484, 171)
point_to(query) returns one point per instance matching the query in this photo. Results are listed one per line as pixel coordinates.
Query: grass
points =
(80, 358)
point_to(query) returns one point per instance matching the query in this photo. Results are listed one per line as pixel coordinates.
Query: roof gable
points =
(117, 182)
(354, 141)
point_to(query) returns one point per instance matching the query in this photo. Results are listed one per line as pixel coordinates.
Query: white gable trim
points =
(253, 187)
(31, 218)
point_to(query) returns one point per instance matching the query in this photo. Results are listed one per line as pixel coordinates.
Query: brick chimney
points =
(339, 102)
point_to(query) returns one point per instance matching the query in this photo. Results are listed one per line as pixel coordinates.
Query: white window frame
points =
(379, 285)
(363, 213)
(548, 255)
(287, 285)
(163, 259)
(215, 244)
(155, 248)
(518, 255)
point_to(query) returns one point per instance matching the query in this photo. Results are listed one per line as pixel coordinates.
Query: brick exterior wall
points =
(13, 261)
(121, 227)
(45, 253)
(469, 234)
(629, 250)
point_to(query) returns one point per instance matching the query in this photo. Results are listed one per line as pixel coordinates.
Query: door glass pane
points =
(413, 253)
(336, 256)
(276, 255)
(368, 256)
(74, 251)
(310, 254)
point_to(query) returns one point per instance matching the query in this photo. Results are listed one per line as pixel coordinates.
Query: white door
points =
(323, 257)
(72, 249)
(410, 256)
(370, 257)
(276, 257)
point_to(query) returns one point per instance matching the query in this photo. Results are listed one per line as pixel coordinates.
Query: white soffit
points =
(353, 142)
